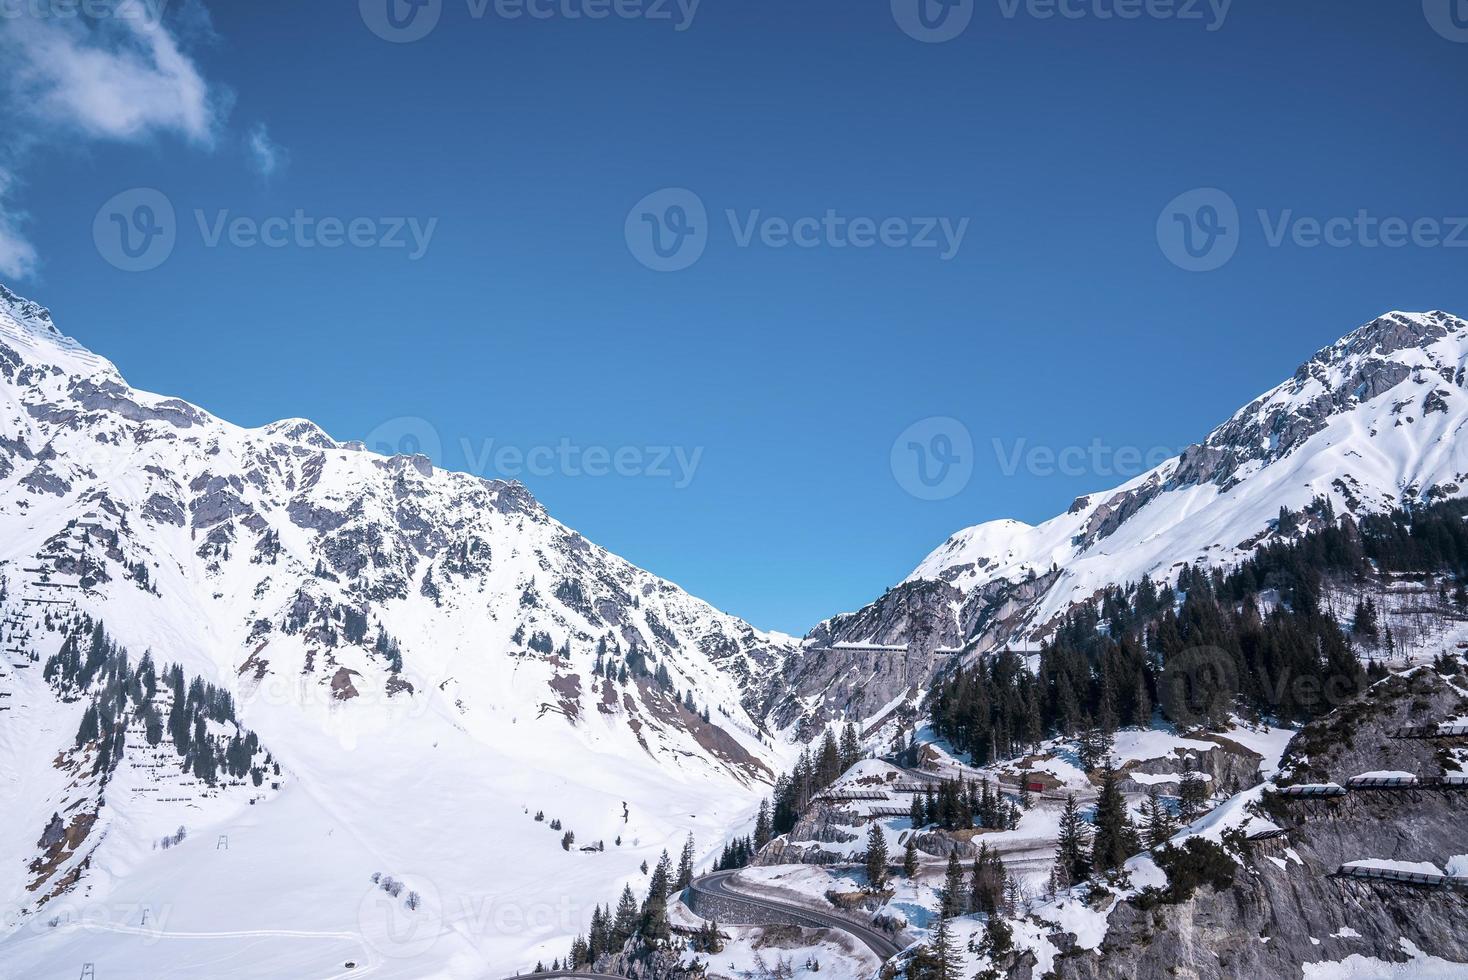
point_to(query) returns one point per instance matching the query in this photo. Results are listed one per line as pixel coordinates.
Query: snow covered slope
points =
(1374, 421)
(430, 657)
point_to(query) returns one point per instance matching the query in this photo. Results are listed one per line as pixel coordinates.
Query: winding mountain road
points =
(717, 885)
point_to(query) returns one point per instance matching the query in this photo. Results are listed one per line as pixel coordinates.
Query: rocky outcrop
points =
(932, 619)
(640, 961)
(819, 824)
(1229, 768)
(1352, 424)
(1286, 907)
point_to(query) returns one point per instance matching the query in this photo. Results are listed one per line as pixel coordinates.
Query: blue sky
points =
(752, 398)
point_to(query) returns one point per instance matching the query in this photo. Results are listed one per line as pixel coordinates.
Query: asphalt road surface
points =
(718, 884)
(872, 938)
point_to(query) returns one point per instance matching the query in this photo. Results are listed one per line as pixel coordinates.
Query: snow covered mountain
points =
(429, 657)
(1371, 422)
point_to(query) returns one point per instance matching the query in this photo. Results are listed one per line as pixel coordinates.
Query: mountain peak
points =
(1370, 422)
(27, 312)
(28, 325)
(303, 432)
(1390, 333)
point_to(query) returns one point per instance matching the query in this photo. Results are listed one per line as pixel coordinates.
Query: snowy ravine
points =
(418, 651)
(1371, 422)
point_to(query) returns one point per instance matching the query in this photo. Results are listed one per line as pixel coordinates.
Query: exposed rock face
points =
(1355, 738)
(1285, 909)
(920, 614)
(1229, 767)
(819, 824)
(1370, 422)
(640, 962)
(376, 576)
(54, 833)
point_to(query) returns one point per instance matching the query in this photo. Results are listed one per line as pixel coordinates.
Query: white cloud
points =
(117, 78)
(17, 254)
(266, 155)
(124, 77)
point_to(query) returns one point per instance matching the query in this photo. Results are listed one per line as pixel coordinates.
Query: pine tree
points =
(626, 920)
(952, 898)
(1192, 793)
(947, 959)
(1160, 825)
(1070, 853)
(876, 860)
(685, 866)
(88, 730)
(977, 885)
(850, 747)
(598, 939)
(1114, 838)
(998, 937)
(916, 813)
(1364, 622)
(1089, 744)
(655, 926)
(1106, 720)
(1142, 701)
(828, 763)
(910, 858)
(762, 829)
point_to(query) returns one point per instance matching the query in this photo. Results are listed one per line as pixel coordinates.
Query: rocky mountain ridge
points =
(1371, 422)
(385, 627)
